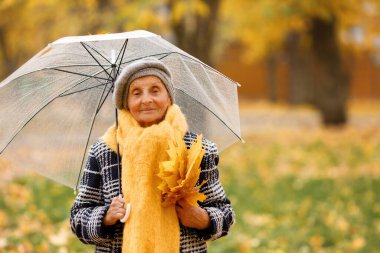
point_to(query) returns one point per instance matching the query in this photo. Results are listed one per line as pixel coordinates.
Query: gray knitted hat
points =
(137, 69)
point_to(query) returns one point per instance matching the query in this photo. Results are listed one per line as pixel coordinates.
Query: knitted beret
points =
(137, 69)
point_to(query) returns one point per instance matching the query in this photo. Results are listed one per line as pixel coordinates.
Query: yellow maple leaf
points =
(194, 197)
(181, 172)
(195, 156)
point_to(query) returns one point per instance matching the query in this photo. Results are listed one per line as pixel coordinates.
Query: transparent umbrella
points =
(59, 102)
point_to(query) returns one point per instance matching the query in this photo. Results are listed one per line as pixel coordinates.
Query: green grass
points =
(290, 215)
(34, 210)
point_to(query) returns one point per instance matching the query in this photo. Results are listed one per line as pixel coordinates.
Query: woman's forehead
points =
(146, 81)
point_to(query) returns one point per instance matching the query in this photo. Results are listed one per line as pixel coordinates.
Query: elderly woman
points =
(148, 119)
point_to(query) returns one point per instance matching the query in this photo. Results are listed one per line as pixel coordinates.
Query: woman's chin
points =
(148, 121)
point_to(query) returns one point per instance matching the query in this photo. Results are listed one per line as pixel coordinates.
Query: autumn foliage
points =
(181, 172)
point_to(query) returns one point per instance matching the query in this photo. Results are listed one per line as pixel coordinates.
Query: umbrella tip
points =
(238, 84)
(242, 140)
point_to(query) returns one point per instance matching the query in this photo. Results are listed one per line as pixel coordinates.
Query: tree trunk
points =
(271, 78)
(301, 85)
(330, 77)
(7, 63)
(198, 38)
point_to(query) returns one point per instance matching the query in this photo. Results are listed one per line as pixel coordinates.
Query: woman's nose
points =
(146, 98)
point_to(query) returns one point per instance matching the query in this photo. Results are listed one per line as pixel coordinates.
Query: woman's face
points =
(148, 100)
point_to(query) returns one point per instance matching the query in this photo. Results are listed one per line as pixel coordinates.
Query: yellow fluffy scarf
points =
(151, 227)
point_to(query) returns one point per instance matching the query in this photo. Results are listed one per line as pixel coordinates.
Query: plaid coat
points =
(100, 183)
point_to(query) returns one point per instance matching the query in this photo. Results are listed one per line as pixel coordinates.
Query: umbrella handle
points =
(127, 212)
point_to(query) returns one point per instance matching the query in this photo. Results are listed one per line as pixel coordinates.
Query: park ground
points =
(295, 186)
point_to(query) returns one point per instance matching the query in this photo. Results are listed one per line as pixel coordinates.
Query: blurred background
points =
(307, 178)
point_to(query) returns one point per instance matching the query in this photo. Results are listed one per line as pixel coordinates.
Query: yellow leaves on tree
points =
(181, 172)
(181, 9)
(263, 26)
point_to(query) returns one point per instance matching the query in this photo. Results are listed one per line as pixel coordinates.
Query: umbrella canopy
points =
(59, 101)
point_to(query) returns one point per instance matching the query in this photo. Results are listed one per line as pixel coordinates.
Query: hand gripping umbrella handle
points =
(127, 212)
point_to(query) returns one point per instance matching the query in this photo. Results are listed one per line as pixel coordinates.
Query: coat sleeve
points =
(89, 207)
(217, 205)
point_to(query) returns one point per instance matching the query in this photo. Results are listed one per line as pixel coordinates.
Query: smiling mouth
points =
(147, 110)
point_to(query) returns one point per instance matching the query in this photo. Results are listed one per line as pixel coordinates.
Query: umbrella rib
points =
(16, 133)
(24, 124)
(101, 84)
(224, 123)
(96, 51)
(81, 83)
(100, 104)
(104, 100)
(89, 135)
(151, 55)
(121, 52)
(76, 65)
(93, 57)
(123, 48)
(71, 93)
(66, 71)
(80, 74)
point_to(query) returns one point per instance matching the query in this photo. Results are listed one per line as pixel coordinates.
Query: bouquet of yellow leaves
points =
(181, 172)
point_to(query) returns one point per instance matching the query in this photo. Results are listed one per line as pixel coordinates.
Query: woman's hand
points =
(115, 212)
(192, 216)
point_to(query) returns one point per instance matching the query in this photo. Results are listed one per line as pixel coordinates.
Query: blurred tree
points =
(330, 78)
(190, 24)
(301, 87)
(308, 31)
(195, 30)
(271, 77)
(10, 10)
(27, 25)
